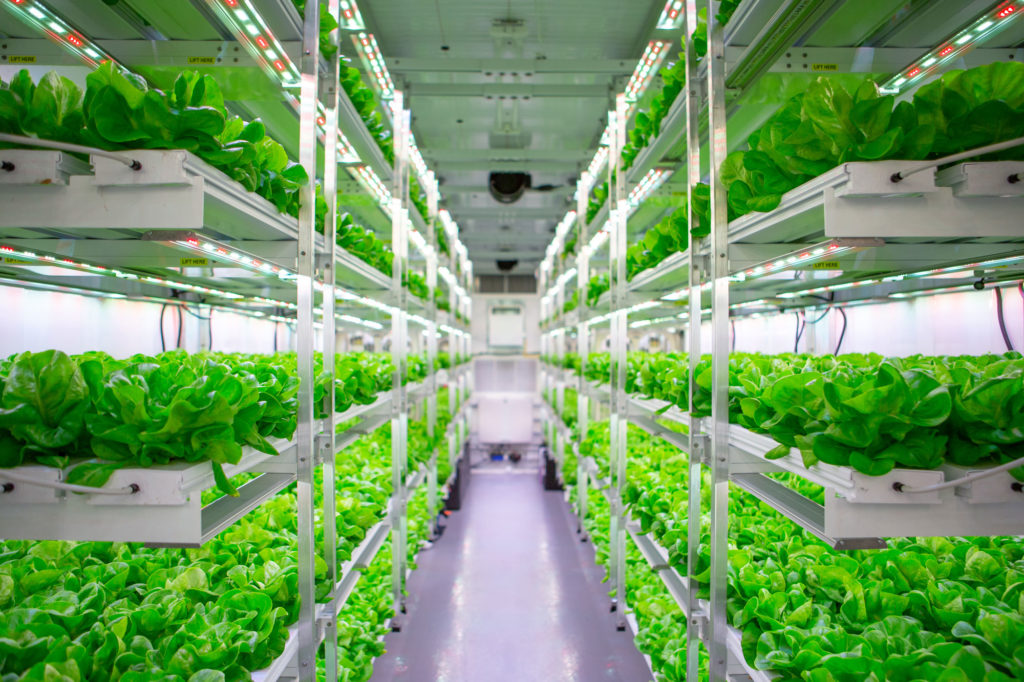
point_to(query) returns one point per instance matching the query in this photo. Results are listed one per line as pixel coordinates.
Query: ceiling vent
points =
(506, 265)
(508, 188)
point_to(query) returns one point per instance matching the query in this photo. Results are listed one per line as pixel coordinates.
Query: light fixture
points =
(373, 62)
(647, 185)
(251, 31)
(599, 160)
(40, 17)
(225, 253)
(646, 68)
(351, 19)
(671, 17)
(819, 253)
(373, 184)
(945, 53)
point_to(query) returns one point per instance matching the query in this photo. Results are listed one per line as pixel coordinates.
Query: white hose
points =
(1012, 464)
(988, 149)
(69, 487)
(67, 147)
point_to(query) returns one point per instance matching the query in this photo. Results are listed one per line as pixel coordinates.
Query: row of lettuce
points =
(98, 611)
(92, 414)
(118, 110)
(868, 412)
(835, 120)
(942, 609)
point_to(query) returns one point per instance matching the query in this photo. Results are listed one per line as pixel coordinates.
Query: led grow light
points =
(820, 253)
(373, 61)
(39, 16)
(599, 160)
(683, 294)
(647, 185)
(373, 184)
(646, 68)
(984, 27)
(672, 16)
(351, 19)
(228, 255)
(251, 31)
(31, 257)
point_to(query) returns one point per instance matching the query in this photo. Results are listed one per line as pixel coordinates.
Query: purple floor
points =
(509, 593)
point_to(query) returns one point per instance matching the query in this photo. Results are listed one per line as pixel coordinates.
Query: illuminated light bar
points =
(646, 68)
(808, 256)
(373, 61)
(417, 161)
(598, 162)
(251, 31)
(672, 16)
(38, 16)
(346, 153)
(351, 19)
(683, 294)
(647, 185)
(373, 184)
(225, 253)
(943, 55)
(31, 257)
(420, 242)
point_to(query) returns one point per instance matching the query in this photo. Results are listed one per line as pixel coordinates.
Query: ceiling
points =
(521, 85)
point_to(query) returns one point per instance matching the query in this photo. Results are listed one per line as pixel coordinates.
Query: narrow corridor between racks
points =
(509, 593)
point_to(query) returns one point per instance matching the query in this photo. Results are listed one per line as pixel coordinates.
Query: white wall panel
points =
(40, 320)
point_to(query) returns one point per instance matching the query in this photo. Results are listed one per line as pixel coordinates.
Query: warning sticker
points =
(827, 265)
(21, 59)
(824, 67)
(15, 261)
(194, 262)
(202, 60)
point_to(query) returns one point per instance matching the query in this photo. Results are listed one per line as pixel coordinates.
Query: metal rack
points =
(883, 237)
(177, 224)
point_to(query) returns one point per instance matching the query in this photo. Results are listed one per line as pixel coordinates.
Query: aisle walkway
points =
(509, 593)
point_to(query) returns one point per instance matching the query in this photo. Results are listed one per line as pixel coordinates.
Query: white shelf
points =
(858, 509)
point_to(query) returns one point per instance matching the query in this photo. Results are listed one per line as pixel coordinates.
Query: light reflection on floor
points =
(509, 593)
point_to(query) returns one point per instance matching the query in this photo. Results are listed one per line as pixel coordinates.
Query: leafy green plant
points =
(365, 103)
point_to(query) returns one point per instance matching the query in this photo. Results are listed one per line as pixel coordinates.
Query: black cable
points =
(1002, 320)
(209, 330)
(732, 327)
(842, 334)
(799, 331)
(195, 314)
(163, 341)
(822, 317)
(276, 326)
(181, 324)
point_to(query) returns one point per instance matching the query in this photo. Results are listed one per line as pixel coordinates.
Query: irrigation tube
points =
(987, 149)
(69, 487)
(67, 147)
(1012, 464)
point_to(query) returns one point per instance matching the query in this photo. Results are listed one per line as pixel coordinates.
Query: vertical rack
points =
(617, 217)
(399, 351)
(582, 336)
(305, 454)
(431, 331)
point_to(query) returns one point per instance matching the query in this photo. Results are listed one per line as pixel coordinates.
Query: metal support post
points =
(582, 342)
(719, 348)
(330, 502)
(617, 272)
(399, 351)
(433, 255)
(693, 103)
(307, 629)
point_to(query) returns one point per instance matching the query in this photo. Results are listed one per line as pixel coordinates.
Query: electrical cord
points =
(799, 330)
(1012, 464)
(899, 176)
(134, 164)
(163, 341)
(181, 324)
(69, 487)
(842, 334)
(732, 328)
(1002, 319)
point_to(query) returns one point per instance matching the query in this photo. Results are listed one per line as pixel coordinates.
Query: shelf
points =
(859, 510)
(284, 666)
(167, 510)
(364, 144)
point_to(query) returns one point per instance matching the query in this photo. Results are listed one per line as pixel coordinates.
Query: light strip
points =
(672, 16)
(599, 160)
(946, 53)
(795, 259)
(12, 255)
(646, 68)
(373, 61)
(251, 31)
(647, 186)
(231, 256)
(373, 184)
(351, 19)
(41, 18)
